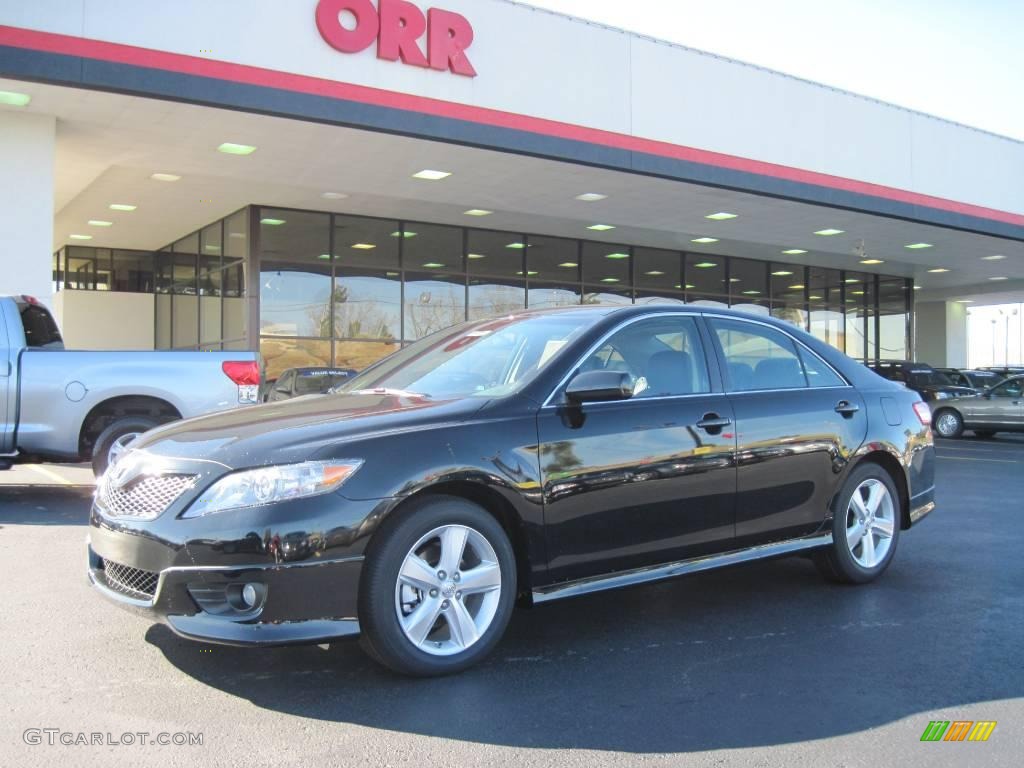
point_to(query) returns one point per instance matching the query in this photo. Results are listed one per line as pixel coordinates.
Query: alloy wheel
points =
(448, 590)
(870, 523)
(947, 424)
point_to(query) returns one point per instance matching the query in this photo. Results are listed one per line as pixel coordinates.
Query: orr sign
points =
(397, 26)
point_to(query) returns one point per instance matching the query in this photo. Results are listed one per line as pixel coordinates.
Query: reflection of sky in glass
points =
(371, 308)
(292, 303)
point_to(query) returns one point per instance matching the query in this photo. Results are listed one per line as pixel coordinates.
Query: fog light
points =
(249, 595)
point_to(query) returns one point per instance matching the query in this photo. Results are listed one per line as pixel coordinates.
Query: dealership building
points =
(325, 181)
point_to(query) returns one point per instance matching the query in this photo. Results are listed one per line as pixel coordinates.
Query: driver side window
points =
(663, 354)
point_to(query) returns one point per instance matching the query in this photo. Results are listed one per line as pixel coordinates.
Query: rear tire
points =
(437, 589)
(866, 519)
(115, 434)
(948, 424)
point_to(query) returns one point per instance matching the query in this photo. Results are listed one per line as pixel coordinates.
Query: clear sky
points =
(959, 59)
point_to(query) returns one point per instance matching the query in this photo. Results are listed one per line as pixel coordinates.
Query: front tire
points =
(948, 424)
(438, 588)
(866, 520)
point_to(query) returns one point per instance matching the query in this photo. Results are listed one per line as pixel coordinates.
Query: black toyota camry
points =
(521, 459)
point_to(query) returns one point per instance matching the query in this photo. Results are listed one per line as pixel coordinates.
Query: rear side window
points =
(759, 358)
(40, 328)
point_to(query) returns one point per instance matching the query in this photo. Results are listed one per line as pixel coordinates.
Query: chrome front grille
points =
(133, 582)
(144, 498)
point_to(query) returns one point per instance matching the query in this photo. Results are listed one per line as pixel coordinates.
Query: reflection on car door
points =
(797, 421)
(637, 482)
(1002, 406)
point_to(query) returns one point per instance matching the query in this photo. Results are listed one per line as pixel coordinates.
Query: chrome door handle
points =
(713, 422)
(846, 408)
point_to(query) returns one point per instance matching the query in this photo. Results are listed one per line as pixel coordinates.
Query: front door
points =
(646, 480)
(797, 423)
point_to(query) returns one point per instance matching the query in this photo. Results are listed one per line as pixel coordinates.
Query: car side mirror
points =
(600, 387)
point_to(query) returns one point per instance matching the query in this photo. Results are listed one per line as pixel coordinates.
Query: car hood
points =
(296, 430)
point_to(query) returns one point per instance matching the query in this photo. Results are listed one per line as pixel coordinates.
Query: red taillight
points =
(242, 372)
(924, 413)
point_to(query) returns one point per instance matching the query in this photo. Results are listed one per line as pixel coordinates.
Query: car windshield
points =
(314, 382)
(482, 359)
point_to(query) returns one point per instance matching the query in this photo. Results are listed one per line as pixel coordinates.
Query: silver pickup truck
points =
(65, 405)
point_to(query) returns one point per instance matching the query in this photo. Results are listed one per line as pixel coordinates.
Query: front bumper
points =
(302, 560)
(300, 602)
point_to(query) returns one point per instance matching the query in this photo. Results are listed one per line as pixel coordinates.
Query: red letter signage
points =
(398, 26)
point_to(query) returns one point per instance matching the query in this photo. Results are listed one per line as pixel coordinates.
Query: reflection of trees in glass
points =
(495, 300)
(430, 308)
(562, 458)
(360, 319)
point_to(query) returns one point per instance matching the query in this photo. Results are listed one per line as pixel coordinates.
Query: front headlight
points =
(259, 487)
(942, 395)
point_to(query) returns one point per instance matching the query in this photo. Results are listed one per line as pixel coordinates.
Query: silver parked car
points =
(999, 409)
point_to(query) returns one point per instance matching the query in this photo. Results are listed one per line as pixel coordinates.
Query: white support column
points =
(27, 149)
(941, 328)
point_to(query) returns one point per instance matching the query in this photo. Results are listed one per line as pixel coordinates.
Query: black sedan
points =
(527, 458)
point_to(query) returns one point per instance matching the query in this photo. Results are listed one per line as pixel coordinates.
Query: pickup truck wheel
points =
(113, 440)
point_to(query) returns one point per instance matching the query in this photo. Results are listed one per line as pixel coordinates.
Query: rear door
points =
(642, 481)
(797, 420)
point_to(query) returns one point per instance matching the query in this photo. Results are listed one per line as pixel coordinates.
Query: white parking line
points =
(991, 461)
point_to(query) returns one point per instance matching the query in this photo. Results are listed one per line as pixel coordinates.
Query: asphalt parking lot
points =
(764, 664)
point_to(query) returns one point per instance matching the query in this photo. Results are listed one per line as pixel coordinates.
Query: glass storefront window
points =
(236, 236)
(367, 305)
(488, 298)
(295, 274)
(606, 265)
(856, 290)
(499, 254)
(705, 279)
(432, 302)
(358, 355)
(281, 354)
(827, 313)
(370, 243)
(748, 286)
(658, 272)
(554, 295)
(553, 259)
(894, 319)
